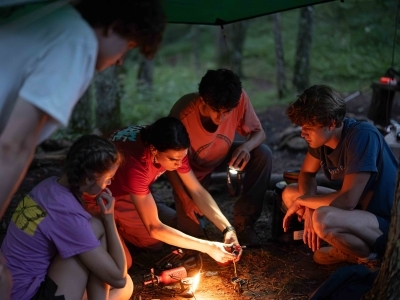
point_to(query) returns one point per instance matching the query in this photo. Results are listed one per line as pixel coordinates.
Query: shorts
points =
(47, 291)
(381, 242)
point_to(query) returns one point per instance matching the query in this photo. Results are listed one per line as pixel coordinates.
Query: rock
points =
(292, 139)
(297, 143)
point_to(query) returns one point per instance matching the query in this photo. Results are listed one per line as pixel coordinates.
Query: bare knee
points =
(129, 286)
(123, 293)
(290, 193)
(128, 255)
(323, 221)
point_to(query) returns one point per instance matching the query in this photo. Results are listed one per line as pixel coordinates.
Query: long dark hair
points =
(166, 134)
(90, 157)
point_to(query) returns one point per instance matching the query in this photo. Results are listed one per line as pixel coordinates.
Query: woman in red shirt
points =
(149, 151)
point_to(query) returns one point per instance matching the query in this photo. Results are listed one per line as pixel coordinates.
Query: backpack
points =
(346, 283)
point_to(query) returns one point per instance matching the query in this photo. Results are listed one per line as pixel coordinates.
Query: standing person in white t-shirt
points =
(47, 60)
(47, 64)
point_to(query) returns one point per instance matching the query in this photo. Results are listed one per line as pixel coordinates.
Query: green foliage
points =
(147, 106)
(351, 47)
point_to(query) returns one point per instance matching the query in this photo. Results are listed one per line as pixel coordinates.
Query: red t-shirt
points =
(137, 172)
(207, 150)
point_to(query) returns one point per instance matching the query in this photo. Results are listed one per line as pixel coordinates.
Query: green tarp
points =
(212, 12)
(220, 12)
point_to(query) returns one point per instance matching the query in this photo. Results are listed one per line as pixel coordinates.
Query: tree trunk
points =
(238, 38)
(222, 46)
(145, 73)
(196, 48)
(82, 121)
(387, 284)
(230, 44)
(280, 61)
(303, 49)
(108, 99)
(145, 79)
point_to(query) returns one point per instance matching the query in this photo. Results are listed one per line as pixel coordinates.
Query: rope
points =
(226, 45)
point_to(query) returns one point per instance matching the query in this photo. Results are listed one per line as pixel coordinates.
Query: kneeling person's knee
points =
(322, 221)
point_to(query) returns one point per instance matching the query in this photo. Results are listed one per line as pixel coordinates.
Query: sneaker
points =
(332, 255)
(247, 236)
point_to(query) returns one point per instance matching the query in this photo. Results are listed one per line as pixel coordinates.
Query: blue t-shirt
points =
(362, 148)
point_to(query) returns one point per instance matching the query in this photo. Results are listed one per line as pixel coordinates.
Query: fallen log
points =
(48, 158)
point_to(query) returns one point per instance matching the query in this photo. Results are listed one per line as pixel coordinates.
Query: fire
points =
(196, 280)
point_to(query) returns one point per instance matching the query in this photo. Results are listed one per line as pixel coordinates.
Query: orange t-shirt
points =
(208, 149)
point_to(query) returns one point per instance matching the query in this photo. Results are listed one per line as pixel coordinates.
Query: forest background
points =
(346, 45)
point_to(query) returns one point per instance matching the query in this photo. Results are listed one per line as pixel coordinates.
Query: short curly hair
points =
(220, 89)
(140, 20)
(318, 105)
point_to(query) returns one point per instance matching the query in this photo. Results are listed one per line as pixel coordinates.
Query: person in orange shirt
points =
(212, 117)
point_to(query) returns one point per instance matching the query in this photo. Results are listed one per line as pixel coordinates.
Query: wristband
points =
(228, 228)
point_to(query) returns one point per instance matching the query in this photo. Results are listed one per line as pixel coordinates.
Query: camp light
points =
(234, 175)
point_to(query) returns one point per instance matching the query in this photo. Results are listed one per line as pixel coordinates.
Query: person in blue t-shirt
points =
(354, 219)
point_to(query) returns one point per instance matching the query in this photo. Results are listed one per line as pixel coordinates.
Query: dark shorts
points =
(47, 290)
(380, 243)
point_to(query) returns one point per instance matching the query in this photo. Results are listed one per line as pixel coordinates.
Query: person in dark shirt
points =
(354, 219)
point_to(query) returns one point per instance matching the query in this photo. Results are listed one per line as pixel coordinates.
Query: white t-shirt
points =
(17, 2)
(49, 62)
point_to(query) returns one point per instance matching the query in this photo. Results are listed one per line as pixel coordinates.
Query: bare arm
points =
(346, 198)
(17, 145)
(350, 194)
(147, 209)
(241, 155)
(204, 201)
(307, 182)
(109, 265)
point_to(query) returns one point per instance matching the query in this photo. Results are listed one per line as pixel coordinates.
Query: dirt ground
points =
(271, 271)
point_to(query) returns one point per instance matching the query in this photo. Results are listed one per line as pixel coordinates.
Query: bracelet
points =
(228, 228)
